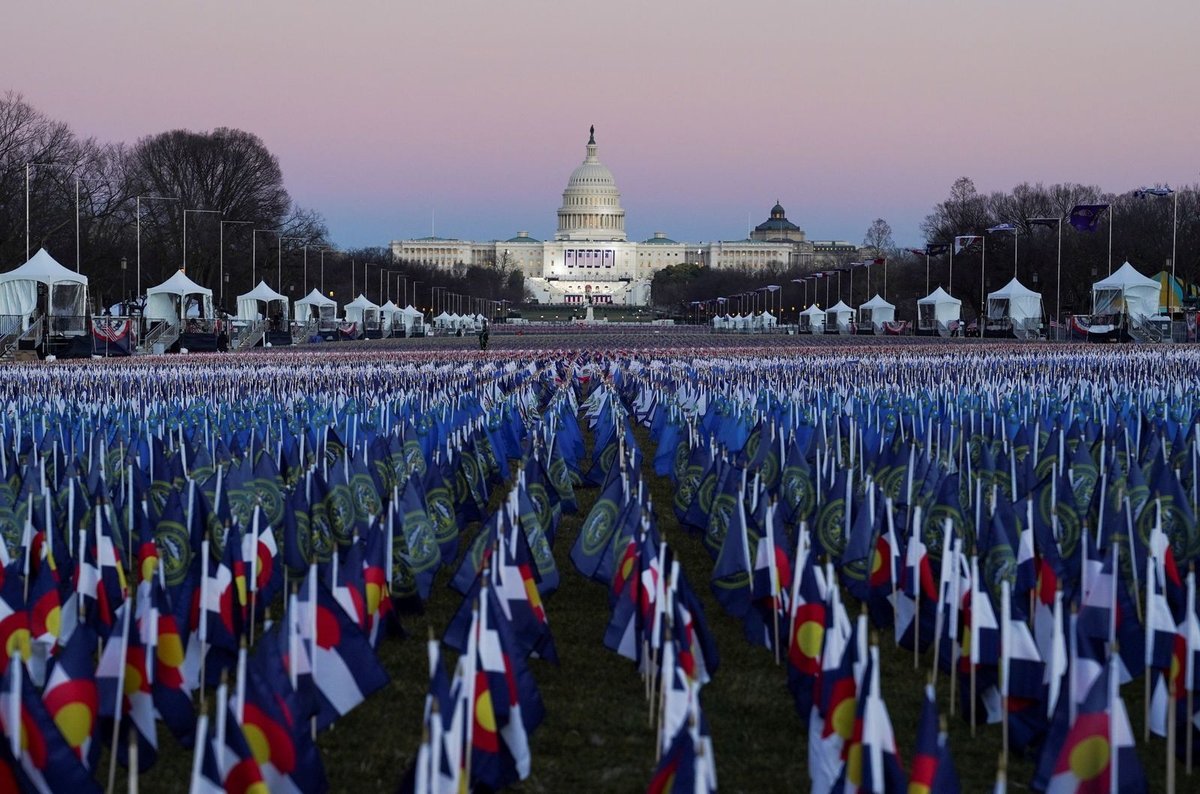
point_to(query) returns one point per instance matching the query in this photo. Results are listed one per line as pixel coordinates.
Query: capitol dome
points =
(591, 207)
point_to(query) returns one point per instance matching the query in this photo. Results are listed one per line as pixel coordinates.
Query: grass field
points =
(597, 736)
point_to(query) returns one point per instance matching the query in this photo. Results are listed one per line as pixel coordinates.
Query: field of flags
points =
(836, 569)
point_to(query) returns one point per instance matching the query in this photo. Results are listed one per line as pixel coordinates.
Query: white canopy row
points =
(738, 321)
(457, 321)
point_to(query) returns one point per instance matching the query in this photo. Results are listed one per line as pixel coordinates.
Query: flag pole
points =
(982, 318)
(1005, 656)
(1190, 668)
(1149, 648)
(119, 706)
(974, 634)
(1058, 278)
(1170, 293)
(133, 763)
(1111, 211)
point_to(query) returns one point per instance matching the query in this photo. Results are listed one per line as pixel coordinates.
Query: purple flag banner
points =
(1085, 217)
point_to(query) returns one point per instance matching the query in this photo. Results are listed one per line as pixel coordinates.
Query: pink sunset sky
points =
(384, 113)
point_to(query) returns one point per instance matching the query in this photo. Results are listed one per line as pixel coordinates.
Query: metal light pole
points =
(28, 168)
(221, 279)
(138, 285)
(1058, 271)
(279, 261)
(185, 214)
(314, 246)
(1160, 192)
(254, 253)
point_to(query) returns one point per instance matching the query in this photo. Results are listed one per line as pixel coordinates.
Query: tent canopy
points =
(168, 301)
(813, 317)
(877, 311)
(247, 304)
(1174, 290)
(314, 302)
(361, 309)
(839, 309)
(1127, 291)
(938, 297)
(938, 309)
(1014, 301)
(66, 291)
(877, 303)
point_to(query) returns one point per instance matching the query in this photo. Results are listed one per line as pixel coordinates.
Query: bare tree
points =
(28, 136)
(879, 237)
(232, 172)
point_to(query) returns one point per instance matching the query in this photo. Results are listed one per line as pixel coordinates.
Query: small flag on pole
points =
(963, 242)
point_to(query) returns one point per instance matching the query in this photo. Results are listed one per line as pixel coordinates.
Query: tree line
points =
(1142, 226)
(232, 189)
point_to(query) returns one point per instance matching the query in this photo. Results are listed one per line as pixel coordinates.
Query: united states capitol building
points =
(590, 258)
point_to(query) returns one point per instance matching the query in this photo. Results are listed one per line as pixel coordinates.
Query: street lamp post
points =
(28, 168)
(279, 261)
(254, 252)
(317, 247)
(138, 285)
(222, 277)
(185, 214)
(1058, 268)
(1161, 192)
(124, 294)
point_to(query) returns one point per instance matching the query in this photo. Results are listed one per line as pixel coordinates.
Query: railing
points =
(10, 331)
(301, 332)
(250, 335)
(34, 332)
(58, 325)
(1145, 331)
(161, 332)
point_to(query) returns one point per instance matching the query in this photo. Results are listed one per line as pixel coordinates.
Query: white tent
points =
(876, 312)
(718, 321)
(766, 320)
(411, 318)
(442, 320)
(1126, 291)
(838, 316)
(248, 305)
(1017, 304)
(937, 310)
(813, 318)
(390, 316)
(361, 310)
(45, 286)
(179, 298)
(314, 304)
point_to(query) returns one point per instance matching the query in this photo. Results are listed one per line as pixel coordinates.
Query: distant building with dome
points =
(591, 260)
